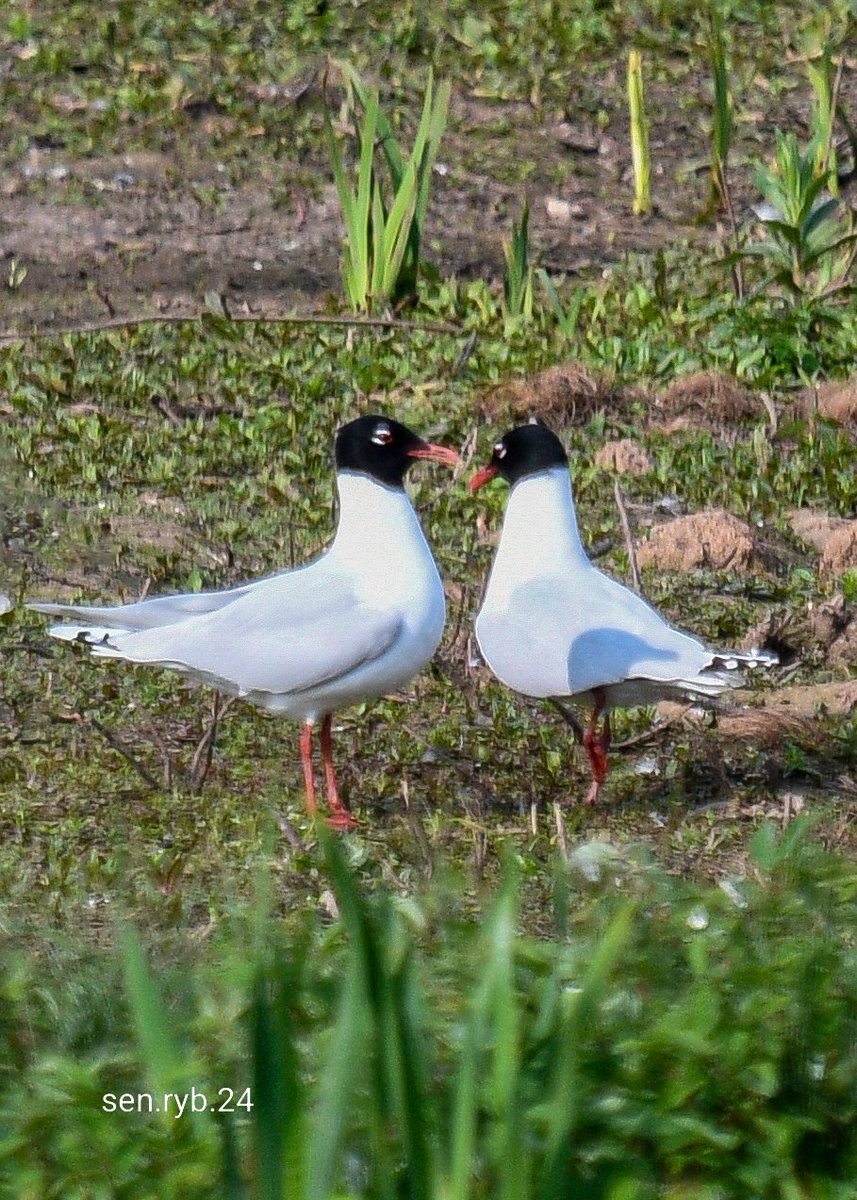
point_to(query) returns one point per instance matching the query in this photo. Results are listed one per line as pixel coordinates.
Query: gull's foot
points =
(341, 820)
(592, 794)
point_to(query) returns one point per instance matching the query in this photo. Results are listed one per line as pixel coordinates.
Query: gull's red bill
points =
(484, 476)
(439, 454)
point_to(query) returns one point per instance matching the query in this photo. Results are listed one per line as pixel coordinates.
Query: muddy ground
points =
(153, 225)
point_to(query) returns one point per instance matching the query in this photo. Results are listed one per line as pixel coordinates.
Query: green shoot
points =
(640, 154)
(518, 276)
(723, 123)
(823, 117)
(809, 249)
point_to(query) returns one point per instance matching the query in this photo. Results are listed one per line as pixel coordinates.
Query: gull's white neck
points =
(540, 535)
(378, 530)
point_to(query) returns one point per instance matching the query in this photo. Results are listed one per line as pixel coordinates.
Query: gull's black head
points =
(384, 449)
(526, 450)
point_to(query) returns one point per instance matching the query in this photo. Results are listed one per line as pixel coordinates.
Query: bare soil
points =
(147, 231)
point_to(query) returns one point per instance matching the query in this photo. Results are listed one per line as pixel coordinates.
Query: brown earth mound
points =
(790, 712)
(706, 398)
(815, 527)
(835, 401)
(708, 539)
(564, 395)
(840, 551)
(624, 456)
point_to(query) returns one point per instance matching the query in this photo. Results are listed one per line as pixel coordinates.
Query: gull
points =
(553, 626)
(352, 625)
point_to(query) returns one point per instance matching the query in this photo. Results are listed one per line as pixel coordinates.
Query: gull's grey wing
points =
(265, 642)
(554, 639)
(297, 589)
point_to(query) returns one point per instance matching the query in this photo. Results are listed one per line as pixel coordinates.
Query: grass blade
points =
(161, 1056)
(640, 154)
(723, 124)
(564, 1101)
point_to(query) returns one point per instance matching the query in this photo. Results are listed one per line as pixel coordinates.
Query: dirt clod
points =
(625, 456)
(829, 620)
(564, 395)
(840, 550)
(708, 399)
(814, 527)
(836, 401)
(714, 539)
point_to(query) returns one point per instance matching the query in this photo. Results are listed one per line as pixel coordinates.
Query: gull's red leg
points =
(597, 744)
(306, 760)
(340, 817)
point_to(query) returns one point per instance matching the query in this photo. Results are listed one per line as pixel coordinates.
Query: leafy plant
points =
(518, 276)
(384, 225)
(565, 315)
(640, 154)
(809, 249)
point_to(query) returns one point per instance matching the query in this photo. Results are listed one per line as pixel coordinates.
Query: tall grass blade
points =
(391, 1024)
(564, 1101)
(365, 218)
(490, 1063)
(231, 1183)
(279, 1115)
(723, 124)
(510, 1156)
(640, 154)
(436, 127)
(397, 232)
(338, 1083)
(352, 233)
(518, 276)
(161, 1056)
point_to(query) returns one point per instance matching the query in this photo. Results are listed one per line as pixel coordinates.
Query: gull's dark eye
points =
(383, 435)
(499, 449)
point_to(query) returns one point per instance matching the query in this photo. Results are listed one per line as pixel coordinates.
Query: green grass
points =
(657, 1039)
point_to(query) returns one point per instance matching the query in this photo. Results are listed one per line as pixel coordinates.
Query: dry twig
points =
(629, 538)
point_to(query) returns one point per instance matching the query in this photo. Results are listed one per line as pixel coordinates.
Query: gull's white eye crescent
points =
(499, 449)
(383, 435)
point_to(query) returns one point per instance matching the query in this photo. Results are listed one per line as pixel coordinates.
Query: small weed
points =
(384, 233)
(518, 276)
(809, 251)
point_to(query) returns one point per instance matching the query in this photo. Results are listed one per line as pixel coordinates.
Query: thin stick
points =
(8, 338)
(204, 753)
(569, 718)
(118, 745)
(740, 287)
(289, 832)
(166, 757)
(629, 537)
(561, 831)
(649, 735)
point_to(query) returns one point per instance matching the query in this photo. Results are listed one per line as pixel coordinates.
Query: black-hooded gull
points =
(352, 625)
(552, 625)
